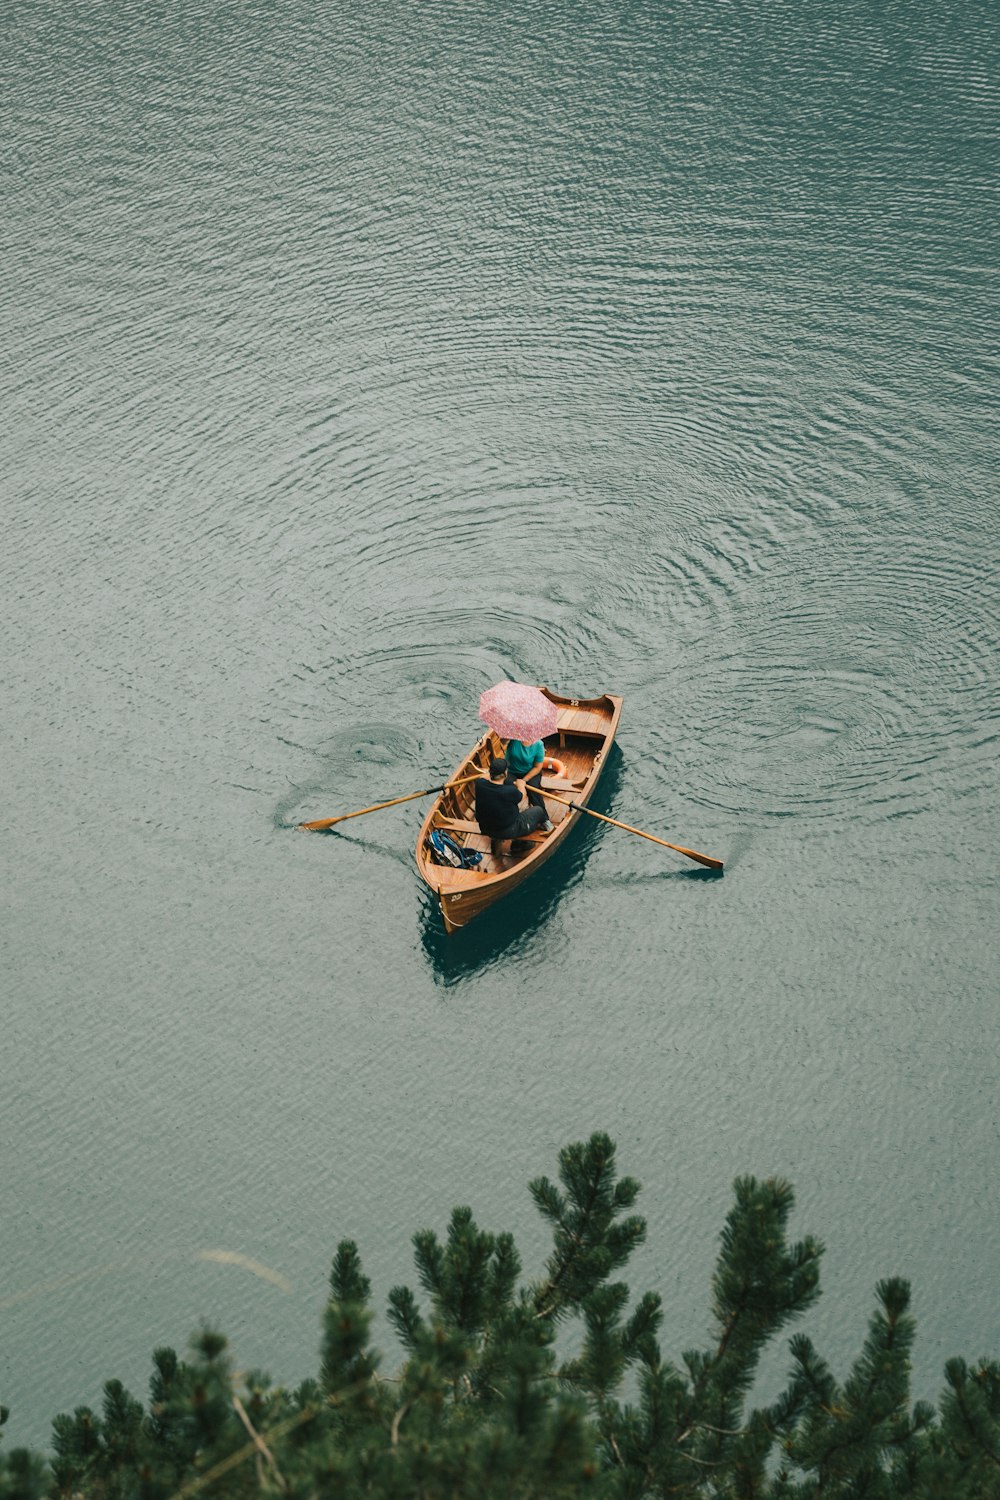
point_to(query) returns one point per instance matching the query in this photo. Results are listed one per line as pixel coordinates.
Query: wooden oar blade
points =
(321, 823)
(703, 859)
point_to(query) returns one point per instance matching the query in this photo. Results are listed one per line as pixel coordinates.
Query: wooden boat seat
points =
(570, 732)
(461, 825)
(444, 877)
(582, 721)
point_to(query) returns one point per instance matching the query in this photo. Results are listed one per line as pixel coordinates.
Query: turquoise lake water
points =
(352, 359)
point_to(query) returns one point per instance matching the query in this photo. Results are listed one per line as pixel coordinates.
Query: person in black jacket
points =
(501, 806)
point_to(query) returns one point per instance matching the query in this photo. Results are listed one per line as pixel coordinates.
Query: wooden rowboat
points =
(583, 736)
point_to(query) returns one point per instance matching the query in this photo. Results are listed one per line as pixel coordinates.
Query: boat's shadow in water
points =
(515, 919)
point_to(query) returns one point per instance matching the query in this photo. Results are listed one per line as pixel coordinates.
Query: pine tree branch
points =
(729, 1330)
(709, 1368)
(549, 1289)
(262, 1449)
(725, 1431)
(703, 1463)
(201, 1481)
(972, 1427)
(892, 1318)
(235, 1459)
(397, 1418)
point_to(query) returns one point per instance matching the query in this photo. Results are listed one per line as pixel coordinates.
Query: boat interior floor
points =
(577, 755)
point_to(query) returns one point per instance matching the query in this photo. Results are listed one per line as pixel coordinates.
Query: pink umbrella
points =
(518, 712)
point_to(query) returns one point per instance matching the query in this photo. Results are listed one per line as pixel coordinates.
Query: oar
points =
(321, 823)
(703, 859)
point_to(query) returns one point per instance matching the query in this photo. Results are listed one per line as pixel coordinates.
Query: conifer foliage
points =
(514, 1389)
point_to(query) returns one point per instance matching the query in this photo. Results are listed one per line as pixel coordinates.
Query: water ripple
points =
(348, 369)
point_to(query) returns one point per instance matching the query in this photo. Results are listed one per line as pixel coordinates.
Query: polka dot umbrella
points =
(518, 712)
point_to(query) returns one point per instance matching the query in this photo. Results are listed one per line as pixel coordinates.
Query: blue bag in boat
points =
(447, 851)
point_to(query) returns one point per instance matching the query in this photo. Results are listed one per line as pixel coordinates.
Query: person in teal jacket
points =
(525, 764)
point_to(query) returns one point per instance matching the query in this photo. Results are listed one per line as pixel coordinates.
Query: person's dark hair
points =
(498, 766)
